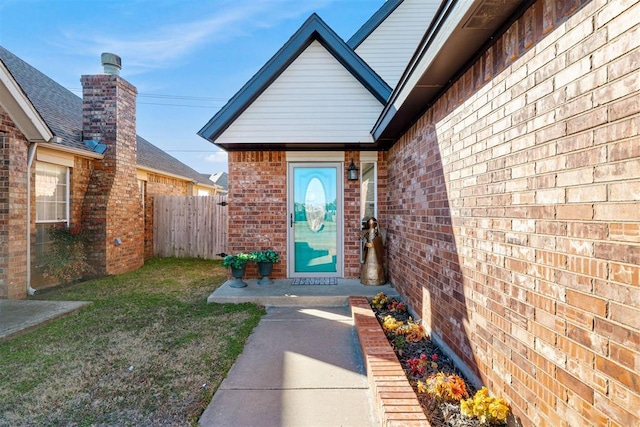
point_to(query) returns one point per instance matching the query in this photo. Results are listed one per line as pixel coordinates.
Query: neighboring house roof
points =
(61, 110)
(221, 179)
(314, 29)
(15, 102)
(153, 158)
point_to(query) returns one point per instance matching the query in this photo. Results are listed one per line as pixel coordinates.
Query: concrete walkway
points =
(301, 366)
(21, 316)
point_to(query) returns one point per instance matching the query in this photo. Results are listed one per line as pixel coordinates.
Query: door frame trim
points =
(339, 218)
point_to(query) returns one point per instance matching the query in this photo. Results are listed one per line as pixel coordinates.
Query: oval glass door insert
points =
(315, 205)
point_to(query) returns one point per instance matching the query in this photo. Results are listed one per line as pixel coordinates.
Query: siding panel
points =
(388, 49)
(314, 100)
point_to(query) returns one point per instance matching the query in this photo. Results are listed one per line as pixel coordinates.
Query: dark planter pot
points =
(238, 274)
(265, 269)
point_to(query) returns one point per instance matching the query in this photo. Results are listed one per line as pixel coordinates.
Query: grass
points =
(148, 351)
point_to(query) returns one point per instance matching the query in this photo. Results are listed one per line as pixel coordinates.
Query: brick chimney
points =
(112, 211)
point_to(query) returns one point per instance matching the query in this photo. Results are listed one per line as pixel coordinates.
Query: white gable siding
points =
(314, 100)
(389, 47)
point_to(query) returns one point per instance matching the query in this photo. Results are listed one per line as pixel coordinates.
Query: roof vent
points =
(95, 146)
(112, 63)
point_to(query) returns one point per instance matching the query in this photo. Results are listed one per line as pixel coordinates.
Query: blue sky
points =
(186, 57)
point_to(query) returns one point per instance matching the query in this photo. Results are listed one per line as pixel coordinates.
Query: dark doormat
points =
(315, 281)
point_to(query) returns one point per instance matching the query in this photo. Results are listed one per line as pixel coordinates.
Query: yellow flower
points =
(498, 410)
(466, 408)
(390, 324)
(487, 409)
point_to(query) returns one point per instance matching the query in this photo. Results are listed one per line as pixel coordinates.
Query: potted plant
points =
(238, 263)
(265, 260)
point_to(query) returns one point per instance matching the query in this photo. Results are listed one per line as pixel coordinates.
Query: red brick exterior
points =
(352, 220)
(13, 210)
(258, 209)
(515, 232)
(258, 205)
(111, 208)
(103, 194)
(394, 400)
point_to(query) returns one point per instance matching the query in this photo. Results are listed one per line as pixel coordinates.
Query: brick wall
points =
(516, 231)
(258, 209)
(352, 220)
(258, 205)
(111, 207)
(13, 209)
(79, 182)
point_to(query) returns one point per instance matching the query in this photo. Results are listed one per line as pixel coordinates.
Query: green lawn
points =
(148, 351)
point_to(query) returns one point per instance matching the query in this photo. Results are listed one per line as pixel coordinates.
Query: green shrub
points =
(66, 258)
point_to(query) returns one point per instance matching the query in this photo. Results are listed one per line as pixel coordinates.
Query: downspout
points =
(32, 152)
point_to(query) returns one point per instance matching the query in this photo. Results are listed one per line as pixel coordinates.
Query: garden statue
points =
(372, 271)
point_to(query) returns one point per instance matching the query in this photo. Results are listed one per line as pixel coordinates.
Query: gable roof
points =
(15, 102)
(61, 110)
(372, 23)
(314, 28)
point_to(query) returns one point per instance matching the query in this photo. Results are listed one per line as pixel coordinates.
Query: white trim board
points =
(315, 156)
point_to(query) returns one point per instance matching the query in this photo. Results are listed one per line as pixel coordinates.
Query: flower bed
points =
(392, 343)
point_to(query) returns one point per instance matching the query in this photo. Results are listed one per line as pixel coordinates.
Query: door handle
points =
(291, 219)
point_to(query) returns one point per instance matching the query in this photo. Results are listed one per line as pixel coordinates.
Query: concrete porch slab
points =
(283, 294)
(21, 316)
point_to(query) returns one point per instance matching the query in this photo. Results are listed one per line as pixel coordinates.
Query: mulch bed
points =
(439, 414)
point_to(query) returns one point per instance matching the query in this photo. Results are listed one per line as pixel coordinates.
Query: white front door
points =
(315, 220)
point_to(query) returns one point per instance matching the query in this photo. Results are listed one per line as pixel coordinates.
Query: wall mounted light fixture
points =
(352, 172)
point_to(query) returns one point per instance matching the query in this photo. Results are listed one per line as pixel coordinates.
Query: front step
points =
(283, 294)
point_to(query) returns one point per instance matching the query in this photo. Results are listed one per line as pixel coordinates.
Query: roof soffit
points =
(457, 33)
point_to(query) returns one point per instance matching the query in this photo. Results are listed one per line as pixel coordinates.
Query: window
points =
(142, 192)
(368, 197)
(368, 204)
(52, 202)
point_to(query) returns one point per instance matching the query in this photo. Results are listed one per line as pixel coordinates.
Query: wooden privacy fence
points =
(189, 226)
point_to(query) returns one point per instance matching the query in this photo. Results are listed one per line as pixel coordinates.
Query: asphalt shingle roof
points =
(152, 157)
(221, 179)
(61, 110)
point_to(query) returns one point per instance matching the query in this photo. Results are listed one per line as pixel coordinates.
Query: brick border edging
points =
(394, 398)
